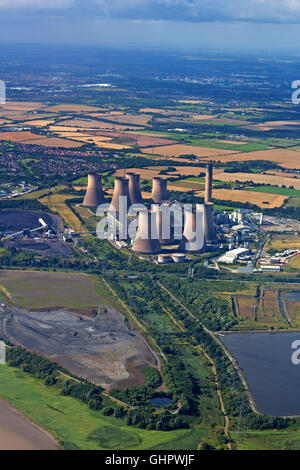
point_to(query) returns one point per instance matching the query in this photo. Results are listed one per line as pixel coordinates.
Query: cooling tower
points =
(163, 221)
(159, 190)
(193, 234)
(121, 189)
(146, 240)
(94, 194)
(209, 224)
(135, 194)
(208, 183)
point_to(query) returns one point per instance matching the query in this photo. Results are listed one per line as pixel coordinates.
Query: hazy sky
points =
(217, 24)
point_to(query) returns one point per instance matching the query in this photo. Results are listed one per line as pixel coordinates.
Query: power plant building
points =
(135, 195)
(121, 189)
(94, 194)
(193, 233)
(146, 240)
(159, 190)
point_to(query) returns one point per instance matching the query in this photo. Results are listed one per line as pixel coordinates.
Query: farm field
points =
(73, 108)
(90, 124)
(177, 150)
(28, 138)
(30, 289)
(261, 178)
(262, 200)
(56, 202)
(75, 426)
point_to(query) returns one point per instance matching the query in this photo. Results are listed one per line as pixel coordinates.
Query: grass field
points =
(56, 203)
(274, 190)
(74, 424)
(283, 242)
(31, 289)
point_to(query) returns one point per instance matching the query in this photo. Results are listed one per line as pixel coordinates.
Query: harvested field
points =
(55, 142)
(135, 119)
(286, 158)
(27, 137)
(146, 173)
(22, 106)
(92, 124)
(260, 178)
(132, 139)
(38, 123)
(262, 200)
(181, 149)
(75, 108)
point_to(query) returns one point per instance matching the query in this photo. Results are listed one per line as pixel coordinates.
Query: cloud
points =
(270, 11)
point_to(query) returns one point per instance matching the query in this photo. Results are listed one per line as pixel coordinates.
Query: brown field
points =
(262, 200)
(22, 106)
(76, 108)
(244, 305)
(92, 124)
(19, 136)
(146, 173)
(3, 121)
(192, 101)
(133, 139)
(258, 178)
(54, 142)
(38, 123)
(286, 158)
(291, 176)
(135, 119)
(181, 149)
(270, 306)
(84, 137)
(202, 117)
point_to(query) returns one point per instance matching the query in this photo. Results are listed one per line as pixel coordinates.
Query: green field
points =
(276, 190)
(74, 425)
(31, 289)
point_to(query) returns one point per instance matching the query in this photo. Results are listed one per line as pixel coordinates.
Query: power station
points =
(121, 189)
(94, 194)
(159, 190)
(146, 240)
(157, 227)
(135, 194)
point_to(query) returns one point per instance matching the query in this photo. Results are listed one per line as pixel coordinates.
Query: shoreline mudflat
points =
(17, 432)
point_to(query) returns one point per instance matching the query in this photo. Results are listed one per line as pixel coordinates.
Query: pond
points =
(269, 365)
(161, 401)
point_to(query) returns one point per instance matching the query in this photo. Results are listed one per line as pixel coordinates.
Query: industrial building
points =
(159, 190)
(146, 240)
(232, 256)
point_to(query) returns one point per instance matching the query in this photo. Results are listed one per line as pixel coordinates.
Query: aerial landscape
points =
(149, 247)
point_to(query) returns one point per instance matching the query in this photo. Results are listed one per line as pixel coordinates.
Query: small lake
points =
(161, 401)
(266, 360)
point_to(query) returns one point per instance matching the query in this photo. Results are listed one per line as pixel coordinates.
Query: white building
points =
(232, 256)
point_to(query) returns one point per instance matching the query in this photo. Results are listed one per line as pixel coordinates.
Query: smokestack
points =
(193, 234)
(135, 194)
(94, 194)
(208, 183)
(209, 224)
(121, 189)
(159, 190)
(146, 240)
(164, 226)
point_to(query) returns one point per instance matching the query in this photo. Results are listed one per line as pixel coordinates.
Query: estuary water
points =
(266, 360)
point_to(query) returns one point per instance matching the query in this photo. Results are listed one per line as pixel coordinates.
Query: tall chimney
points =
(94, 194)
(208, 183)
(121, 189)
(135, 194)
(209, 224)
(193, 234)
(159, 190)
(146, 240)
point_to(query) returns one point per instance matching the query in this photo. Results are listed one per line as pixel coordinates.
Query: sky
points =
(264, 25)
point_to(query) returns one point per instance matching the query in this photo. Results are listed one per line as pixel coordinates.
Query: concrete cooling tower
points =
(193, 234)
(164, 224)
(159, 190)
(209, 224)
(135, 194)
(94, 194)
(121, 189)
(208, 183)
(146, 240)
